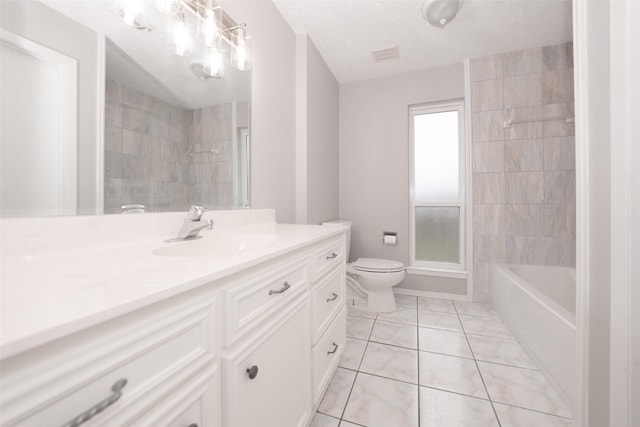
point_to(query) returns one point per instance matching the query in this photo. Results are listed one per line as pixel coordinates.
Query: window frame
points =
(439, 107)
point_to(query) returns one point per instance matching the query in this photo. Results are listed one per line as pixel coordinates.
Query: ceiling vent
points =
(385, 54)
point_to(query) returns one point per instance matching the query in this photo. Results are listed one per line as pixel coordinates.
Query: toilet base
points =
(381, 301)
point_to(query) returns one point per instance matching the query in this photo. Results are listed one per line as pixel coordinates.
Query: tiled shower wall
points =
(523, 174)
(152, 153)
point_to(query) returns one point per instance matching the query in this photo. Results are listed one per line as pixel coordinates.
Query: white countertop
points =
(52, 294)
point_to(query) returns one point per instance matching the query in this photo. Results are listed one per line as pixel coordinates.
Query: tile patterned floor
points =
(437, 363)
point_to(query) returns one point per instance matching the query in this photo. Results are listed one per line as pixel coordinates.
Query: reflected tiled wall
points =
(147, 142)
(523, 175)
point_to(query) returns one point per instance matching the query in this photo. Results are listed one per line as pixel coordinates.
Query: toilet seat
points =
(376, 265)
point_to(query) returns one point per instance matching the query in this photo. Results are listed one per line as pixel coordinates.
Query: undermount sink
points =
(216, 246)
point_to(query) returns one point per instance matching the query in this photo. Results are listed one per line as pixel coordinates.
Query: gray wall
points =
(39, 23)
(317, 137)
(272, 106)
(523, 176)
(374, 160)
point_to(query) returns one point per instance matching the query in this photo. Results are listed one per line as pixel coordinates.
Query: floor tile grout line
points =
(495, 413)
(535, 410)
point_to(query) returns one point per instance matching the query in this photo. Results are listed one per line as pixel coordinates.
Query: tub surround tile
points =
(445, 321)
(525, 130)
(521, 62)
(322, 420)
(524, 187)
(486, 95)
(436, 304)
(380, 402)
(487, 126)
(557, 128)
(489, 248)
(408, 301)
(561, 251)
(559, 153)
(407, 316)
(526, 250)
(560, 220)
(358, 327)
(488, 188)
(451, 373)
(485, 68)
(502, 351)
(394, 334)
(524, 220)
(488, 220)
(488, 157)
(443, 342)
(511, 416)
(524, 155)
(335, 398)
(524, 388)
(557, 86)
(475, 309)
(352, 354)
(493, 327)
(391, 362)
(560, 187)
(443, 409)
(523, 90)
(557, 57)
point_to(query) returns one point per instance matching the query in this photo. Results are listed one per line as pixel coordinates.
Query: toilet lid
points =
(378, 265)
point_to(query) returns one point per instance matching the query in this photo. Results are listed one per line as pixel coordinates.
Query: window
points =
(437, 186)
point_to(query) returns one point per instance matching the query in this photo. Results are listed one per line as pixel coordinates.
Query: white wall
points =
(374, 158)
(39, 23)
(317, 136)
(273, 106)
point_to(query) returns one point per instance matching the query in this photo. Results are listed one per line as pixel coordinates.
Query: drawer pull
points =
(252, 371)
(335, 348)
(332, 256)
(96, 409)
(281, 290)
(334, 296)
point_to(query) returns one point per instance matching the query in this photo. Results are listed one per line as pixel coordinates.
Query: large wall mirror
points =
(101, 117)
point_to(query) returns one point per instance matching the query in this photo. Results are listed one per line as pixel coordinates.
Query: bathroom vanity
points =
(243, 327)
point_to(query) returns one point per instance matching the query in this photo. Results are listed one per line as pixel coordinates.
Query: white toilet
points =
(373, 277)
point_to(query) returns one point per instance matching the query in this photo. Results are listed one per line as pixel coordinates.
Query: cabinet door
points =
(267, 381)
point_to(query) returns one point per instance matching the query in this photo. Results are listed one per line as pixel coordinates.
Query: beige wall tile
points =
(560, 220)
(488, 220)
(523, 90)
(113, 138)
(526, 250)
(561, 251)
(521, 62)
(524, 220)
(559, 153)
(486, 95)
(524, 131)
(557, 86)
(560, 187)
(524, 187)
(557, 57)
(523, 155)
(487, 126)
(489, 248)
(485, 68)
(488, 157)
(488, 188)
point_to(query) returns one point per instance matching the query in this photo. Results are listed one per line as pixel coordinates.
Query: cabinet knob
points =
(252, 372)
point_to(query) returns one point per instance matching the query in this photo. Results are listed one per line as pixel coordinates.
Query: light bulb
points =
(214, 62)
(210, 29)
(181, 42)
(241, 51)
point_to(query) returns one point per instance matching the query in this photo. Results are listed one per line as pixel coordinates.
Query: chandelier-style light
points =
(196, 27)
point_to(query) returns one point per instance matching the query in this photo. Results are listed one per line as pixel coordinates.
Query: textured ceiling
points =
(346, 31)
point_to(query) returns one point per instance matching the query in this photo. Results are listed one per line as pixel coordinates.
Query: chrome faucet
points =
(192, 225)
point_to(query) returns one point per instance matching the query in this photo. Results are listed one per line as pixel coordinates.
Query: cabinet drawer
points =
(152, 349)
(326, 354)
(250, 299)
(328, 256)
(267, 380)
(328, 298)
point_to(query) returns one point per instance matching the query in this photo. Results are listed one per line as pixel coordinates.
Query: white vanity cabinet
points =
(144, 368)
(253, 349)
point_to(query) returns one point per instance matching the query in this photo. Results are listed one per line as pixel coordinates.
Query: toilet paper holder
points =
(390, 238)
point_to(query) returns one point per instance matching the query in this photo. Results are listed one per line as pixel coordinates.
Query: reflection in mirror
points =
(172, 136)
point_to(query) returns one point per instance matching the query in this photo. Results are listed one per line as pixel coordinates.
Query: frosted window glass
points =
(438, 234)
(436, 156)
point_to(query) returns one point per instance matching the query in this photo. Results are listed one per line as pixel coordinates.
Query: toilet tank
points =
(347, 224)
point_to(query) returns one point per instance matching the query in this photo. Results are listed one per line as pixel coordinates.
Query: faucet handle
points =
(196, 212)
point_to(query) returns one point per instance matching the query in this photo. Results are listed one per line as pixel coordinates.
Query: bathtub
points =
(538, 303)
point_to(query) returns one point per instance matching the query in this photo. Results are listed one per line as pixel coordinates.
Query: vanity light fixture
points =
(199, 28)
(439, 13)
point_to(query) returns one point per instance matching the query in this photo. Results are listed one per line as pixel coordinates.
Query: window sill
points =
(422, 271)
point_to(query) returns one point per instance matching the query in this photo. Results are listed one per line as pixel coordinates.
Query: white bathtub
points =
(538, 303)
